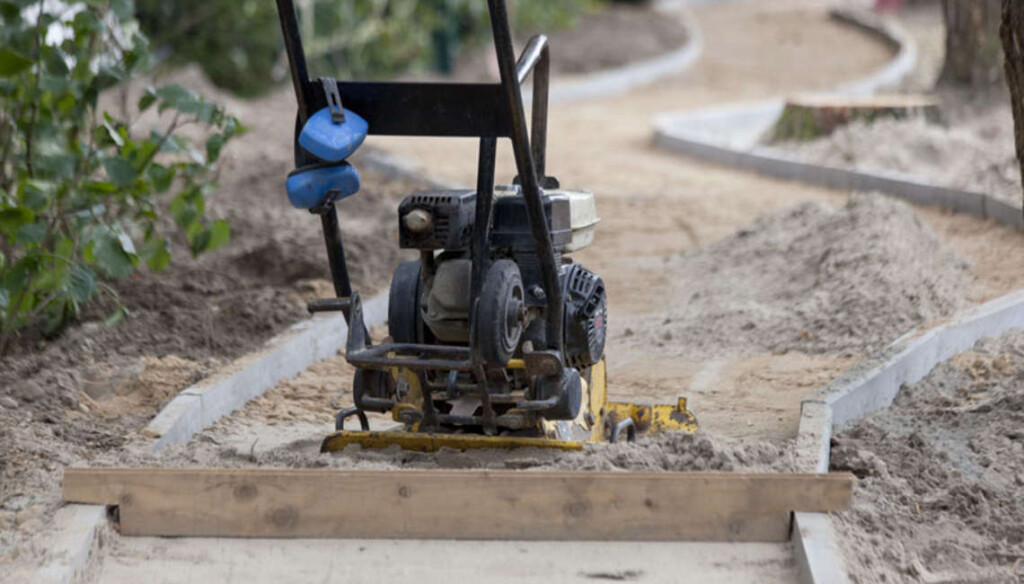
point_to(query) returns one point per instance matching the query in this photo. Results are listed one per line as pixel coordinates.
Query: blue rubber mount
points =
(313, 187)
(329, 141)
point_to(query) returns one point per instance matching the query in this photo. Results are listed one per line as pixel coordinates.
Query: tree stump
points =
(814, 116)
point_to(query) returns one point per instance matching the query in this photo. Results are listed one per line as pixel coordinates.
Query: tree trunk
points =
(973, 56)
(1012, 33)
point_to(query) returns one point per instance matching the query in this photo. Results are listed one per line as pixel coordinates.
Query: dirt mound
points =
(812, 279)
(941, 474)
(973, 151)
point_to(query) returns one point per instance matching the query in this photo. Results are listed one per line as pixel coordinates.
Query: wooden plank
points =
(640, 506)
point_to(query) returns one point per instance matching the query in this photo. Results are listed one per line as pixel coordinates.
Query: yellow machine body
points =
(592, 425)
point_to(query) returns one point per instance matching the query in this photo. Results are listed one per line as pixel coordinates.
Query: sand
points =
(809, 278)
(942, 472)
(972, 149)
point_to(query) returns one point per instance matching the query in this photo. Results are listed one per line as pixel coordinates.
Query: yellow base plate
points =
(588, 427)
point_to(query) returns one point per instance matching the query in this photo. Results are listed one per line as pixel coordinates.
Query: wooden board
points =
(641, 506)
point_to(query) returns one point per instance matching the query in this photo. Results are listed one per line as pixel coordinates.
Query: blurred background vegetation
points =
(238, 42)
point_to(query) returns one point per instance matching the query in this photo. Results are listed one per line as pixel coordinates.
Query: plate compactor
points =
(496, 336)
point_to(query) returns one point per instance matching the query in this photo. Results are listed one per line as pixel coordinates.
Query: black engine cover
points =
(452, 215)
(586, 316)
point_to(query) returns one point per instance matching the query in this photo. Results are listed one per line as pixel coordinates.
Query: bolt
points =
(550, 367)
(419, 221)
(537, 292)
(409, 416)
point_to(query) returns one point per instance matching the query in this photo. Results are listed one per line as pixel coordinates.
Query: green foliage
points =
(79, 185)
(376, 38)
(238, 42)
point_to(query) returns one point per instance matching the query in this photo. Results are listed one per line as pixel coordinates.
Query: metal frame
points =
(487, 111)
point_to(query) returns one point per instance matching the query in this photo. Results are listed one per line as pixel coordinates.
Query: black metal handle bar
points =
(457, 110)
(537, 55)
(526, 165)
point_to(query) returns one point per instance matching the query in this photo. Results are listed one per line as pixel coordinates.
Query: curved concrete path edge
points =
(623, 79)
(871, 386)
(728, 135)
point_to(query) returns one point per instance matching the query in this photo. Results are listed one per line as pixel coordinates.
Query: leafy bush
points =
(238, 42)
(81, 188)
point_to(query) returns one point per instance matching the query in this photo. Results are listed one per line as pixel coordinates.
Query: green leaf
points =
(161, 176)
(110, 256)
(55, 63)
(14, 217)
(54, 83)
(64, 248)
(12, 63)
(81, 283)
(184, 212)
(113, 135)
(156, 252)
(61, 165)
(213, 145)
(220, 234)
(31, 233)
(120, 171)
(178, 97)
(99, 187)
(35, 194)
(117, 316)
(126, 243)
(123, 9)
(147, 99)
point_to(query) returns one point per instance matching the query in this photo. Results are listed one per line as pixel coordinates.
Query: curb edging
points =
(699, 134)
(623, 79)
(76, 527)
(282, 357)
(870, 386)
(889, 32)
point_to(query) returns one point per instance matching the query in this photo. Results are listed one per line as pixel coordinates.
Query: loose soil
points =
(90, 390)
(941, 475)
(810, 278)
(971, 149)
